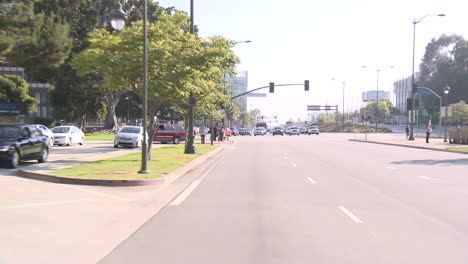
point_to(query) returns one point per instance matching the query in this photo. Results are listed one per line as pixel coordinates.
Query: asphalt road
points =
(313, 199)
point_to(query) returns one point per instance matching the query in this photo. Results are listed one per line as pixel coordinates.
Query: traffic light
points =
(272, 87)
(306, 85)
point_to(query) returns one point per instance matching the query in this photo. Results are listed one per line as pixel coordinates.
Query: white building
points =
(239, 85)
(402, 91)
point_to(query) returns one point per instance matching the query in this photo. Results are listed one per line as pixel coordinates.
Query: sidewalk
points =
(397, 139)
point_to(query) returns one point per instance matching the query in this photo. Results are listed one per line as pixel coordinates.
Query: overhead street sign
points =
(322, 107)
(423, 91)
(313, 107)
(256, 95)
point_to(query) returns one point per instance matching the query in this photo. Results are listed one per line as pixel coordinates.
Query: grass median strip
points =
(164, 160)
(459, 148)
(99, 137)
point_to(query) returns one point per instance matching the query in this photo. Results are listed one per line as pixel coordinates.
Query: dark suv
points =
(22, 142)
(278, 131)
(174, 133)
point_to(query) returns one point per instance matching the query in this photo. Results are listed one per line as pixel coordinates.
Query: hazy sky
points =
(297, 40)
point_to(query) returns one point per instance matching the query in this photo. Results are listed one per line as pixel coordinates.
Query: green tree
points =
(14, 90)
(83, 17)
(181, 63)
(444, 63)
(75, 99)
(379, 111)
(47, 48)
(246, 119)
(459, 113)
(16, 19)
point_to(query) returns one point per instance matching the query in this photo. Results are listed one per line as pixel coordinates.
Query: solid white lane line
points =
(391, 168)
(186, 193)
(97, 193)
(350, 215)
(285, 158)
(294, 165)
(425, 177)
(311, 181)
(20, 206)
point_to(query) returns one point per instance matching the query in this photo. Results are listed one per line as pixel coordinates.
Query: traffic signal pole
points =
(272, 88)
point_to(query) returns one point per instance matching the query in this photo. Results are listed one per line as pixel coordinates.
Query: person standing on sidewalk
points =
(202, 134)
(428, 131)
(407, 132)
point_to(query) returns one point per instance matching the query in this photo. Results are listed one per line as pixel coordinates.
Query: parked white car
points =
(129, 136)
(46, 132)
(68, 135)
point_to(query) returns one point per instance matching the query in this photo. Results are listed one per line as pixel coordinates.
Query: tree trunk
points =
(112, 98)
(151, 129)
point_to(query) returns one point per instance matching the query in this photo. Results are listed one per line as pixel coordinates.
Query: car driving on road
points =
(260, 131)
(68, 135)
(293, 130)
(278, 131)
(244, 132)
(22, 142)
(313, 130)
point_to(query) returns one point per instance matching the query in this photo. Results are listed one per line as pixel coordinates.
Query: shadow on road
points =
(434, 162)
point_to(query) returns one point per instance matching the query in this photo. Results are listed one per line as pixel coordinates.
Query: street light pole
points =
(190, 147)
(118, 18)
(446, 92)
(128, 108)
(343, 118)
(413, 85)
(144, 145)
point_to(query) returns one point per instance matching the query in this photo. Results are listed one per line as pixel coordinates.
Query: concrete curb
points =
(407, 146)
(119, 183)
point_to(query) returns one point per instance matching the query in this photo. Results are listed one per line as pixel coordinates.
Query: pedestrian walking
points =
(228, 133)
(202, 134)
(407, 132)
(428, 131)
(221, 134)
(214, 133)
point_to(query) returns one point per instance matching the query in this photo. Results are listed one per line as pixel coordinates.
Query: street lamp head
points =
(446, 89)
(441, 15)
(117, 17)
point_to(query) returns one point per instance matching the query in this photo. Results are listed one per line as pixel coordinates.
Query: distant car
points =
(46, 132)
(260, 131)
(302, 130)
(313, 130)
(68, 135)
(235, 131)
(278, 131)
(22, 142)
(129, 136)
(174, 133)
(244, 132)
(293, 130)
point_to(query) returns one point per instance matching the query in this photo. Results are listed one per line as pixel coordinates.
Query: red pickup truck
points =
(174, 133)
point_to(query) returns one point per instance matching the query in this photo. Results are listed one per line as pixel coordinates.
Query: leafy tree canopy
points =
(445, 62)
(14, 90)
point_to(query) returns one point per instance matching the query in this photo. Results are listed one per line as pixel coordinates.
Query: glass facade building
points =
(239, 84)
